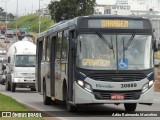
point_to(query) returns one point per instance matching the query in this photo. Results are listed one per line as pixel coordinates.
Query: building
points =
(130, 7)
(43, 12)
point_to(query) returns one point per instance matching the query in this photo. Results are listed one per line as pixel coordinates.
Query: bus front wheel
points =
(70, 107)
(130, 106)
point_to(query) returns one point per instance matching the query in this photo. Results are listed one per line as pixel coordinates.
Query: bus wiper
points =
(123, 50)
(129, 42)
(112, 47)
(104, 40)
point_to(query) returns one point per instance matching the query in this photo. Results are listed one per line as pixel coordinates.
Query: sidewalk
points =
(157, 79)
(156, 97)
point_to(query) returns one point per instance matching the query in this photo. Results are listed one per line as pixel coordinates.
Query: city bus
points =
(97, 60)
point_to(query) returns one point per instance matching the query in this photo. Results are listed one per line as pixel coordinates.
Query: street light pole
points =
(6, 24)
(17, 21)
(39, 18)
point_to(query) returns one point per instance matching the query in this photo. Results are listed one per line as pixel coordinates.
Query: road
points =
(34, 100)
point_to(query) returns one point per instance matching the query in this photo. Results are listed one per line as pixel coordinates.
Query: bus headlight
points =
(81, 83)
(85, 85)
(147, 86)
(151, 83)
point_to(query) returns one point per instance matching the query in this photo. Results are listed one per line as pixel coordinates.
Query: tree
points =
(68, 9)
(1, 10)
(3, 14)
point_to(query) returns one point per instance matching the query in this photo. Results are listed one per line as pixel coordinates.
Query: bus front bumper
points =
(84, 97)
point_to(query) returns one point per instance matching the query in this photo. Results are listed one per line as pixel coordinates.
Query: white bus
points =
(96, 60)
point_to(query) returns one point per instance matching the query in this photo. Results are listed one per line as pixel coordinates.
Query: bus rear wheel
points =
(46, 100)
(130, 106)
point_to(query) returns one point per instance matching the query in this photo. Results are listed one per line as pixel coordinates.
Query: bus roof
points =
(64, 24)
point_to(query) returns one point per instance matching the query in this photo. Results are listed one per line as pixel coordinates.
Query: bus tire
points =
(46, 100)
(33, 89)
(70, 107)
(130, 106)
(13, 87)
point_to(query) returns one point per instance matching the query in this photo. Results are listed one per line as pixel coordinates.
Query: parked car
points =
(9, 33)
(2, 37)
(7, 41)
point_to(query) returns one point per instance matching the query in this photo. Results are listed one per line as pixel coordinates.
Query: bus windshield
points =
(114, 51)
(25, 61)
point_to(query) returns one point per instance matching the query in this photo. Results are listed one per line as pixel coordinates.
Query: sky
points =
(24, 6)
(30, 6)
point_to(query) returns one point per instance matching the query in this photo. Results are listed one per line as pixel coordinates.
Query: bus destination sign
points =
(115, 23)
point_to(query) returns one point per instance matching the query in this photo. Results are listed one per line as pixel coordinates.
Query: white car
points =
(2, 37)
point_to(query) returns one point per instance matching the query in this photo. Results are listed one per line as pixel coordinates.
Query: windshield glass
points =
(25, 61)
(110, 52)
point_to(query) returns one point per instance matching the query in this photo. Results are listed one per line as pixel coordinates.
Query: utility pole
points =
(32, 7)
(39, 17)
(25, 11)
(6, 24)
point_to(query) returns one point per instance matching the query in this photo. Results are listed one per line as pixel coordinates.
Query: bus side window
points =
(58, 46)
(48, 43)
(44, 50)
(64, 53)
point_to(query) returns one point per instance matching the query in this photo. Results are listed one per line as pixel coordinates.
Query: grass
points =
(2, 23)
(32, 22)
(9, 104)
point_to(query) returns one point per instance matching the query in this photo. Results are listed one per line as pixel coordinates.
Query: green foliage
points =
(3, 14)
(68, 9)
(2, 23)
(32, 22)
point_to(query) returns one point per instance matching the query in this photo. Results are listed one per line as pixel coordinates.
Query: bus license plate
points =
(117, 96)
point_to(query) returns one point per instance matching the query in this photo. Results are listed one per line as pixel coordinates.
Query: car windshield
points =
(111, 52)
(25, 61)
